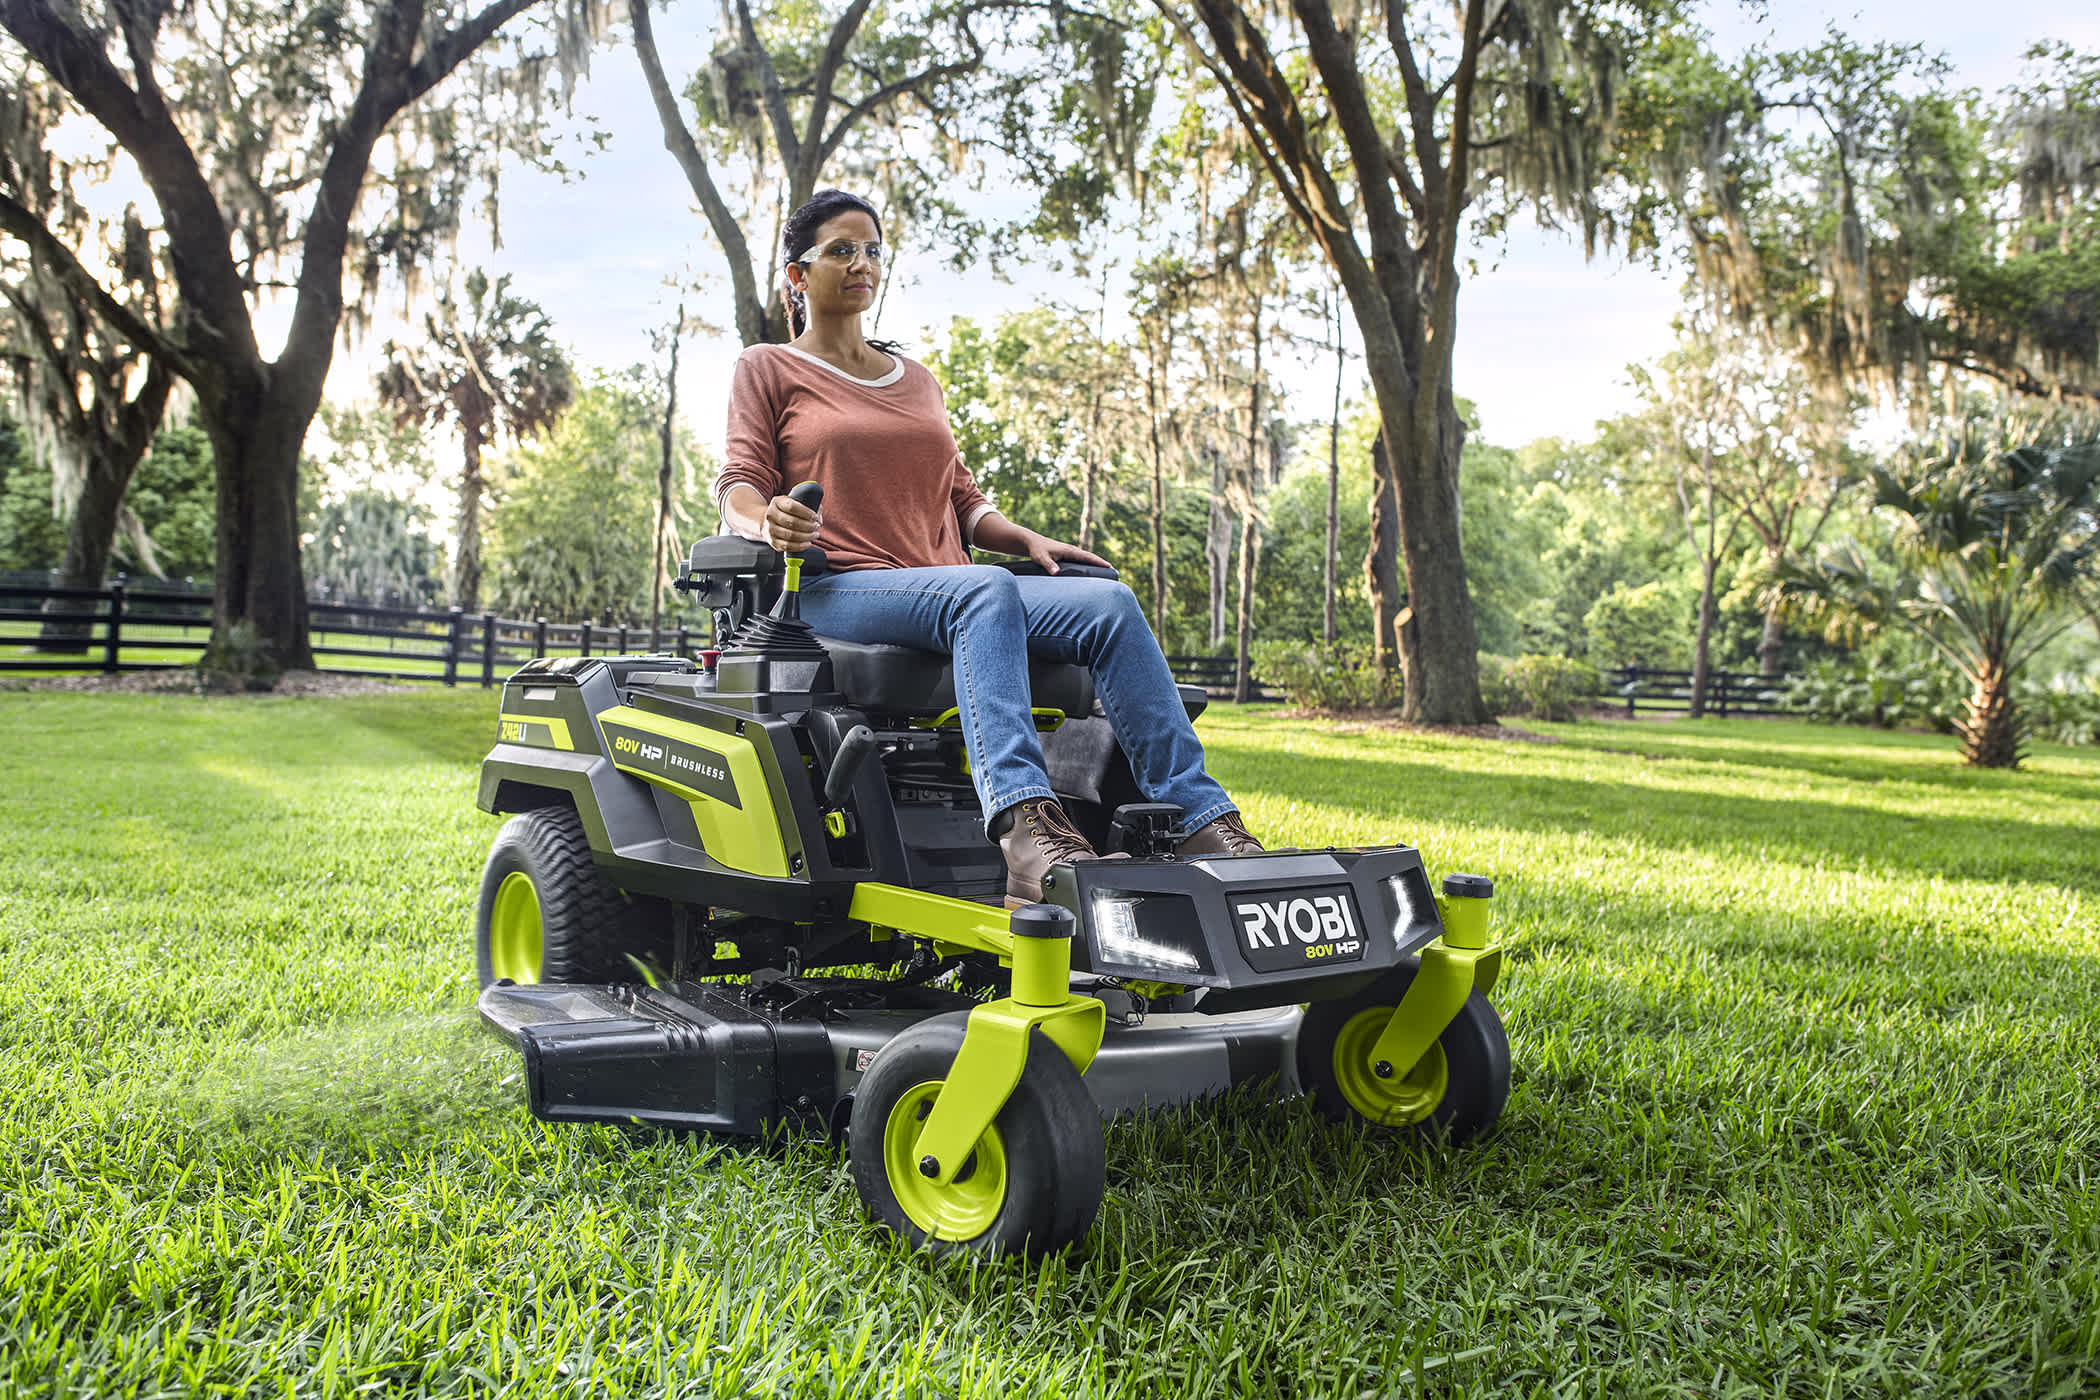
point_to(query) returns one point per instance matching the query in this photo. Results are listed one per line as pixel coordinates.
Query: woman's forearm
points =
(744, 511)
(995, 532)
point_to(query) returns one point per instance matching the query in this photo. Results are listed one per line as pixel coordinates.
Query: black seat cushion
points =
(907, 681)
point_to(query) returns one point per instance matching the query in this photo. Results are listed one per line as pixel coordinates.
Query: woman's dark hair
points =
(800, 231)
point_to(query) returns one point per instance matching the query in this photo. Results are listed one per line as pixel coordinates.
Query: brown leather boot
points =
(1041, 836)
(1220, 836)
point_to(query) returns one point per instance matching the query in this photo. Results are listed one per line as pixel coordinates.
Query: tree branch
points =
(821, 81)
(77, 280)
(1421, 104)
(1392, 256)
(198, 246)
(1443, 307)
(884, 94)
(769, 81)
(452, 49)
(678, 140)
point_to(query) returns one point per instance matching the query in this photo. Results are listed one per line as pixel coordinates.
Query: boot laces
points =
(1238, 840)
(1054, 832)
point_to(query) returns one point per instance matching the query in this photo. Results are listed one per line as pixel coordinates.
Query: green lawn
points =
(1806, 1027)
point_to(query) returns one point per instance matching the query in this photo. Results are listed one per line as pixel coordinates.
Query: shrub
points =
(1316, 677)
(1496, 688)
(1861, 690)
(1550, 687)
(1641, 626)
(2065, 709)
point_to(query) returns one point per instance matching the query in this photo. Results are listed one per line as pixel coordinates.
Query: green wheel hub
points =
(962, 1210)
(1394, 1102)
(517, 944)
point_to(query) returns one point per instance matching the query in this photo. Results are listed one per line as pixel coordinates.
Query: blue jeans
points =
(991, 622)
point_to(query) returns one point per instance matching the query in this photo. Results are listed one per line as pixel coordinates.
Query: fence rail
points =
(1217, 675)
(1727, 692)
(144, 628)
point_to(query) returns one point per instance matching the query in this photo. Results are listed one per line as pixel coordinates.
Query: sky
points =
(1544, 337)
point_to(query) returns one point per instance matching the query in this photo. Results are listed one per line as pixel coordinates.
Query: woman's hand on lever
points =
(791, 526)
(783, 522)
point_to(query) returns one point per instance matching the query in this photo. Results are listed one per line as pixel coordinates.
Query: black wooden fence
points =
(1727, 692)
(128, 627)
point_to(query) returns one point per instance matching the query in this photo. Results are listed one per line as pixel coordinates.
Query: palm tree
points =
(488, 364)
(1994, 554)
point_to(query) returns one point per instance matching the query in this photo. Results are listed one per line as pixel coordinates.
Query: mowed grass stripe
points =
(1804, 1024)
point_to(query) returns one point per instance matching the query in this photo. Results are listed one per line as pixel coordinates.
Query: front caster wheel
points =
(1459, 1086)
(1034, 1181)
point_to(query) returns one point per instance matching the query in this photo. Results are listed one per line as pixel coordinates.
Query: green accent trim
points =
(746, 839)
(793, 582)
(962, 923)
(1042, 969)
(1465, 920)
(1393, 1102)
(1047, 718)
(1433, 1000)
(986, 1069)
(1465, 923)
(835, 824)
(995, 1050)
(517, 729)
(517, 943)
(960, 1209)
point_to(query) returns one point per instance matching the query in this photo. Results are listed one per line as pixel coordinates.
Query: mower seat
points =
(894, 680)
(736, 577)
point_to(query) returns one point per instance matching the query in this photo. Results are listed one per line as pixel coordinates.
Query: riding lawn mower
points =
(751, 893)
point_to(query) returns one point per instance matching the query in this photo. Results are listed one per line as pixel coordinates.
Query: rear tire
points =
(548, 914)
(1459, 1087)
(1035, 1181)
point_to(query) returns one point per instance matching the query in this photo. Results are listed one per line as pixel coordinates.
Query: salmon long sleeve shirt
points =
(896, 492)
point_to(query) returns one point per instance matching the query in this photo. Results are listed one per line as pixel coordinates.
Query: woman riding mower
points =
(871, 426)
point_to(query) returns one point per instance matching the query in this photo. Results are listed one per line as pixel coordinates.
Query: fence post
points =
(1633, 685)
(1722, 695)
(452, 631)
(583, 639)
(621, 647)
(684, 645)
(539, 636)
(488, 650)
(113, 641)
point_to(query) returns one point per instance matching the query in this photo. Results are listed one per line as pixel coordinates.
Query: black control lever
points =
(854, 749)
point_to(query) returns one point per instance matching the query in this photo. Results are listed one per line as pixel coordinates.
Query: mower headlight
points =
(1118, 939)
(1405, 916)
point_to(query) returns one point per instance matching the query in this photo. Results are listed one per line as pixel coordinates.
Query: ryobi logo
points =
(1324, 924)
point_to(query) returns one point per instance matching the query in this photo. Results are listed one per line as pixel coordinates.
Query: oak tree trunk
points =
(466, 553)
(1702, 644)
(112, 459)
(1250, 547)
(1382, 566)
(1217, 548)
(1438, 644)
(90, 536)
(256, 439)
